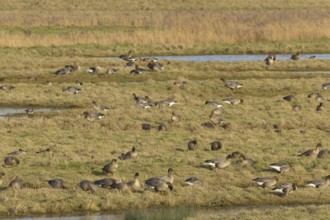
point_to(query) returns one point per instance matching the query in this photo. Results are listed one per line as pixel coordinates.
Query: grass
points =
(81, 148)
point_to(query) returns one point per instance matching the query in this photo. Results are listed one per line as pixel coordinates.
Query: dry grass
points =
(168, 27)
(81, 148)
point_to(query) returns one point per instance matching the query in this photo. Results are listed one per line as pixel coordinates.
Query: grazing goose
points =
(87, 185)
(137, 70)
(216, 145)
(167, 102)
(29, 111)
(192, 145)
(154, 181)
(129, 155)
(92, 116)
(134, 184)
(190, 181)
(233, 101)
(56, 183)
(323, 153)
(213, 103)
(16, 183)
(95, 69)
(270, 59)
(245, 161)
(219, 163)
(175, 117)
(11, 161)
(296, 108)
(289, 98)
(111, 167)
(7, 87)
(326, 86)
(1, 177)
(231, 84)
(285, 189)
(319, 183)
(320, 107)
(312, 152)
(281, 167)
(155, 66)
(72, 90)
(316, 96)
(266, 182)
(67, 69)
(99, 107)
(105, 183)
(295, 56)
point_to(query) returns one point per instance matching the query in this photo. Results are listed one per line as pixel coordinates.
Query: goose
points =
(92, 116)
(236, 154)
(216, 112)
(319, 183)
(72, 90)
(190, 181)
(270, 59)
(266, 182)
(129, 155)
(163, 186)
(245, 161)
(296, 107)
(281, 167)
(320, 107)
(127, 56)
(219, 163)
(137, 70)
(29, 111)
(7, 87)
(311, 152)
(16, 183)
(67, 69)
(120, 186)
(175, 117)
(323, 153)
(231, 84)
(167, 102)
(146, 126)
(134, 184)
(295, 56)
(326, 86)
(143, 99)
(213, 103)
(106, 182)
(233, 101)
(316, 96)
(111, 167)
(2, 174)
(87, 185)
(192, 145)
(285, 189)
(11, 161)
(162, 127)
(289, 98)
(155, 66)
(95, 69)
(216, 145)
(111, 70)
(99, 107)
(56, 183)
(154, 181)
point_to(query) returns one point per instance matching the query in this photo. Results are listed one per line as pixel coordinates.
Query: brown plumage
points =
(111, 167)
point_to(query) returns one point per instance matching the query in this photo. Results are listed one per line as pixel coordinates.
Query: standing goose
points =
(281, 167)
(270, 59)
(134, 184)
(266, 182)
(154, 181)
(231, 84)
(285, 189)
(111, 167)
(319, 183)
(312, 152)
(129, 155)
(320, 107)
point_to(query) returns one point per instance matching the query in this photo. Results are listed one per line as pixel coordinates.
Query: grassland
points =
(38, 37)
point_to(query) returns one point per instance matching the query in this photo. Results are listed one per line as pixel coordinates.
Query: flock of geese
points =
(163, 184)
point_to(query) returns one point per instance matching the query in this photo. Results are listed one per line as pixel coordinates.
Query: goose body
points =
(231, 84)
(285, 189)
(111, 167)
(213, 103)
(190, 181)
(72, 90)
(280, 167)
(233, 101)
(319, 183)
(270, 59)
(57, 183)
(311, 152)
(266, 182)
(192, 145)
(326, 86)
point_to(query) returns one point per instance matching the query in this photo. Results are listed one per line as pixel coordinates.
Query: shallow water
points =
(11, 111)
(233, 58)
